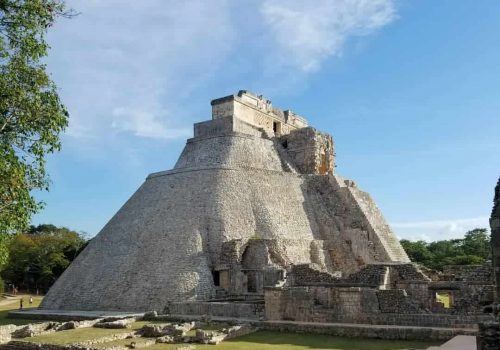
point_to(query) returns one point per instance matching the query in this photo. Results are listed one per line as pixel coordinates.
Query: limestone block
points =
(153, 330)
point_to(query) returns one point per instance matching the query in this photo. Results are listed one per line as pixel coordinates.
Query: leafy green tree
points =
(37, 258)
(417, 251)
(31, 113)
(473, 249)
(477, 242)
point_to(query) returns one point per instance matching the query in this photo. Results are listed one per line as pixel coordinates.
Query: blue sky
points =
(410, 91)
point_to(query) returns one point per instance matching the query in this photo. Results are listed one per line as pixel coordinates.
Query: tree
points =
(38, 257)
(473, 249)
(31, 113)
(417, 251)
(477, 242)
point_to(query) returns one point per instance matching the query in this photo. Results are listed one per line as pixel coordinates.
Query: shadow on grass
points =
(4, 319)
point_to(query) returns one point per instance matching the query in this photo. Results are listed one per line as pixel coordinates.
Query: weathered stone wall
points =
(312, 151)
(357, 305)
(495, 238)
(257, 111)
(363, 331)
(469, 273)
(489, 332)
(352, 235)
(466, 297)
(219, 309)
(488, 337)
(397, 301)
(238, 151)
(310, 274)
(6, 332)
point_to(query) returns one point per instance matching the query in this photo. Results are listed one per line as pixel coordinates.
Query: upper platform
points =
(258, 112)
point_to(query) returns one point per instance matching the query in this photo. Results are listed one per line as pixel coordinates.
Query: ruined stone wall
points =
(397, 301)
(489, 332)
(469, 273)
(257, 111)
(466, 297)
(312, 151)
(219, 309)
(310, 274)
(361, 331)
(488, 337)
(495, 238)
(353, 230)
(357, 305)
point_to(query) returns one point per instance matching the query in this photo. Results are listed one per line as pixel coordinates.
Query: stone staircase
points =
(373, 217)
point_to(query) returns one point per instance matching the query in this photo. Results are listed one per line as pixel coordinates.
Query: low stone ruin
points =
(150, 334)
(114, 323)
(177, 333)
(384, 293)
(489, 332)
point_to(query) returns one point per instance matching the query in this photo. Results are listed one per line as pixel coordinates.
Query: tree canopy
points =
(473, 249)
(39, 256)
(31, 113)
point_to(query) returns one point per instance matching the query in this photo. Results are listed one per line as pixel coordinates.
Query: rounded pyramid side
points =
(162, 244)
(150, 252)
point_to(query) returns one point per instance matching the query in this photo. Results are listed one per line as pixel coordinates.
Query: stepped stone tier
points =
(253, 193)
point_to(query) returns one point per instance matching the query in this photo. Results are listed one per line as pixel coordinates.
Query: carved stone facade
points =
(489, 332)
(253, 194)
(381, 293)
(495, 238)
(257, 111)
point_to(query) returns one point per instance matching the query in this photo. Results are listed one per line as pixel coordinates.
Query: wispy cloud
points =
(121, 63)
(145, 124)
(438, 229)
(308, 32)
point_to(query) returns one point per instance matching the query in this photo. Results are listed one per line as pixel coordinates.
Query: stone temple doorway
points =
(254, 259)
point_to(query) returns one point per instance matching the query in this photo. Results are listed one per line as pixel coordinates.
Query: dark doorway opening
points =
(216, 278)
(277, 127)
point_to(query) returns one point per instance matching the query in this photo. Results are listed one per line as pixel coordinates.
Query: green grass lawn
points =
(124, 342)
(81, 334)
(262, 340)
(9, 305)
(265, 340)
(75, 335)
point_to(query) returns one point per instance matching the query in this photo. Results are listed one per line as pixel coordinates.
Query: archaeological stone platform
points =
(254, 193)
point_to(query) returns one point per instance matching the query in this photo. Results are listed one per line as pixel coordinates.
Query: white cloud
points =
(308, 32)
(145, 124)
(438, 229)
(120, 62)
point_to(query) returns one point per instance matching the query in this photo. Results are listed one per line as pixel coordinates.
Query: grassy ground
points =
(12, 303)
(75, 335)
(262, 340)
(265, 340)
(124, 342)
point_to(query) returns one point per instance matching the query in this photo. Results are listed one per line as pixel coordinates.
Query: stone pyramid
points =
(253, 193)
